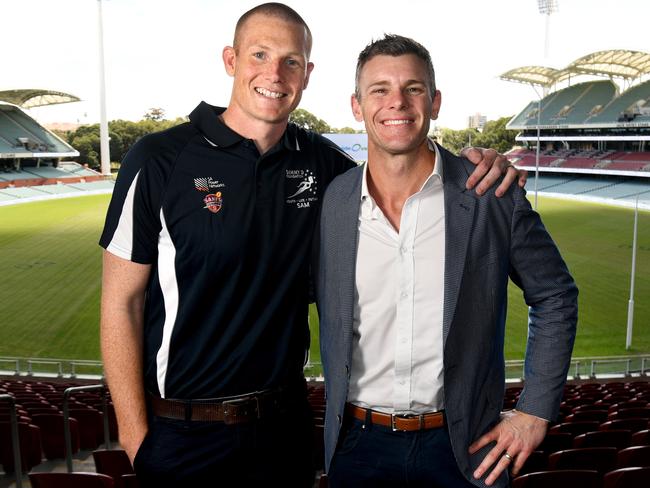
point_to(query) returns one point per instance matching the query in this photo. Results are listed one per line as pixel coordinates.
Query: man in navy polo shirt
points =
(206, 267)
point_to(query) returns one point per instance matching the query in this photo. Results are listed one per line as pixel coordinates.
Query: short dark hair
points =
(278, 10)
(394, 45)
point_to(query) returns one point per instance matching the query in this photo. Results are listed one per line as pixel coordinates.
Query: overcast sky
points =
(167, 53)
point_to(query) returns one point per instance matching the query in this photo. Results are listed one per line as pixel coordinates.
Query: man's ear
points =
(356, 108)
(229, 59)
(310, 68)
(437, 101)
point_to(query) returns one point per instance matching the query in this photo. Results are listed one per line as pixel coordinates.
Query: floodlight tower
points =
(547, 7)
(103, 122)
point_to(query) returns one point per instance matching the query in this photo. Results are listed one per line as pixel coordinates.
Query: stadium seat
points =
(633, 403)
(52, 434)
(626, 413)
(559, 479)
(587, 415)
(601, 459)
(635, 456)
(537, 461)
(575, 428)
(627, 478)
(114, 463)
(633, 424)
(619, 439)
(29, 437)
(594, 406)
(70, 480)
(91, 428)
(641, 438)
(556, 441)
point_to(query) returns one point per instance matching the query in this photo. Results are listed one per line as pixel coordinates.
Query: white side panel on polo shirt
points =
(169, 287)
(121, 244)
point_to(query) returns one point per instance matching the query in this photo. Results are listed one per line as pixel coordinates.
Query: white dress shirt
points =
(397, 364)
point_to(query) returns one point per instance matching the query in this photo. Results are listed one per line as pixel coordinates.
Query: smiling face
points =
(270, 66)
(395, 103)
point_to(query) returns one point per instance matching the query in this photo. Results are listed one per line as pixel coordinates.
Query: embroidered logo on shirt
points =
(303, 186)
(207, 184)
(213, 202)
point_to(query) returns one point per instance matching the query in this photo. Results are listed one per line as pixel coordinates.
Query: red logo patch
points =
(213, 202)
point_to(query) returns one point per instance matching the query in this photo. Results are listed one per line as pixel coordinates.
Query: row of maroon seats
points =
(81, 480)
(39, 407)
(637, 477)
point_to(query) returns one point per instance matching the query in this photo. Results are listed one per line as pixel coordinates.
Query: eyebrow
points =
(256, 47)
(387, 83)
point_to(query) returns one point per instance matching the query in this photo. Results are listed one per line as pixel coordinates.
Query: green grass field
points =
(51, 268)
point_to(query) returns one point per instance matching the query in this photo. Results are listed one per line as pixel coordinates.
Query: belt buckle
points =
(393, 425)
(236, 403)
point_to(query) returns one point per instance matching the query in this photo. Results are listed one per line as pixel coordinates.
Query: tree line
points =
(124, 133)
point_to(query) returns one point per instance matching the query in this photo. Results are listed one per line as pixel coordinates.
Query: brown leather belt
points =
(230, 410)
(397, 422)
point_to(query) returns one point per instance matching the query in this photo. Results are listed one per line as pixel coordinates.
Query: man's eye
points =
(379, 91)
(292, 62)
(415, 90)
(258, 55)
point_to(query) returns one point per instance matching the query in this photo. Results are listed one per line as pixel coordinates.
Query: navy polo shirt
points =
(228, 233)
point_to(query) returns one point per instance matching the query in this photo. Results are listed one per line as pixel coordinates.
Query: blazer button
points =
(347, 371)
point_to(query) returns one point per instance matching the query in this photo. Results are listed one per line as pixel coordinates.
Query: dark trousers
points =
(375, 456)
(274, 451)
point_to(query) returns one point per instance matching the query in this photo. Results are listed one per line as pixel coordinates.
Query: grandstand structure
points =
(593, 124)
(33, 162)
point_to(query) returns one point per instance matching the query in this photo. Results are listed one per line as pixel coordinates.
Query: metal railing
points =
(66, 419)
(56, 368)
(15, 440)
(588, 367)
(592, 367)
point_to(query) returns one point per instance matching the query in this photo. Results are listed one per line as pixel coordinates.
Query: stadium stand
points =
(593, 444)
(24, 137)
(628, 104)
(588, 127)
(32, 159)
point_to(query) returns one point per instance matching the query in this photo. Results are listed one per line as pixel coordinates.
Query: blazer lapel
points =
(348, 220)
(459, 215)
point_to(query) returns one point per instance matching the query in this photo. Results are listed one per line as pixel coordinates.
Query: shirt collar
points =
(437, 172)
(205, 118)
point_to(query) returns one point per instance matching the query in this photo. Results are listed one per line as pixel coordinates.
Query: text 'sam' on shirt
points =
(228, 234)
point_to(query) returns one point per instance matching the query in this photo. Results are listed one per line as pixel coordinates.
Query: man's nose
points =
(398, 100)
(274, 71)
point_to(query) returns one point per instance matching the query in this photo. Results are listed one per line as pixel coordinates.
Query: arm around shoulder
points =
(552, 296)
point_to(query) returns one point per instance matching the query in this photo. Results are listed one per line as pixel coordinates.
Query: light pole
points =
(630, 303)
(547, 7)
(103, 122)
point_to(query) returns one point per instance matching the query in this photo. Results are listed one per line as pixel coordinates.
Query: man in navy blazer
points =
(412, 292)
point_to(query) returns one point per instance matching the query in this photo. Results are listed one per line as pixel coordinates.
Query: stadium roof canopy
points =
(615, 63)
(535, 75)
(30, 98)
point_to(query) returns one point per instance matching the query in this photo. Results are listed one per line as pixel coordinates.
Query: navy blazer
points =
(487, 241)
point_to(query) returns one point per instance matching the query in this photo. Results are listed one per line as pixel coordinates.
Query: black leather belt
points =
(230, 410)
(425, 421)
